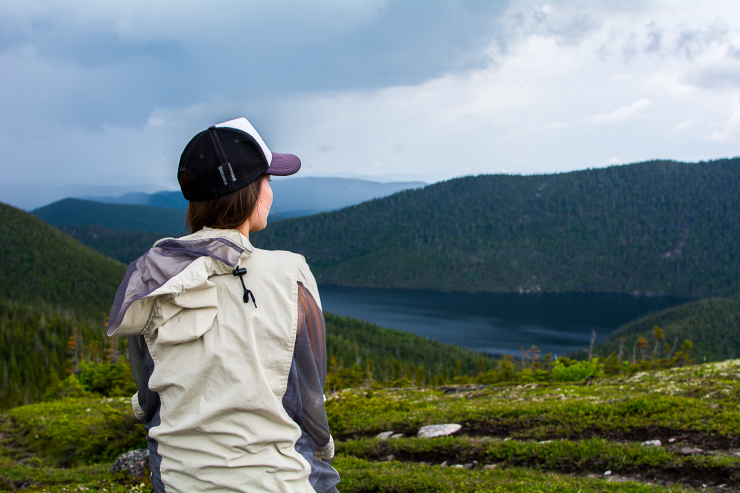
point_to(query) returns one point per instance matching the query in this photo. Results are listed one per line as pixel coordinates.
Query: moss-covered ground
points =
(548, 437)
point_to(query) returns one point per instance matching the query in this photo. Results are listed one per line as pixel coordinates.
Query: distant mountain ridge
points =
(124, 227)
(659, 227)
(294, 197)
(122, 217)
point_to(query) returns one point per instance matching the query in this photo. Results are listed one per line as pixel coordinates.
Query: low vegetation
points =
(515, 437)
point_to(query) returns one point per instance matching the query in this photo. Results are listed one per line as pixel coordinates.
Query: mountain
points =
(123, 246)
(306, 196)
(28, 196)
(660, 227)
(53, 288)
(124, 227)
(40, 264)
(712, 325)
(294, 197)
(167, 199)
(124, 217)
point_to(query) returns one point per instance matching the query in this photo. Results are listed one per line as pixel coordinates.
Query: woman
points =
(227, 341)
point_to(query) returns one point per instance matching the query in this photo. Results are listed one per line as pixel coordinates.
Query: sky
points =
(105, 95)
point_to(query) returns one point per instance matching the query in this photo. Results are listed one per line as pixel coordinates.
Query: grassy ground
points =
(515, 438)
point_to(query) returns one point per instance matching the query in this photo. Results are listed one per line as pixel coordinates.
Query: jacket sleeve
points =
(310, 359)
(144, 402)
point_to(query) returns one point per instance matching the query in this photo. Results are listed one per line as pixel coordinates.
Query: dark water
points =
(496, 323)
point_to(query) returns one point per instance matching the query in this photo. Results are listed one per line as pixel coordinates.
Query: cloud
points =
(693, 42)
(684, 125)
(713, 75)
(624, 113)
(731, 133)
(654, 39)
(127, 58)
(455, 85)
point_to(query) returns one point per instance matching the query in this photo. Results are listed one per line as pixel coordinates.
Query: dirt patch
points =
(696, 477)
(702, 440)
(668, 436)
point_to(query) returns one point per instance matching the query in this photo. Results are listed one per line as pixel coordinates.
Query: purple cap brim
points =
(283, 164)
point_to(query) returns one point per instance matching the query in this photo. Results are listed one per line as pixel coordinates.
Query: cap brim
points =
(283, 164)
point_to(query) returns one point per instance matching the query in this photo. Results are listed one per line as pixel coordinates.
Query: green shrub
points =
(576, 372)
(107, 379)
(76, 431)
(69, 387)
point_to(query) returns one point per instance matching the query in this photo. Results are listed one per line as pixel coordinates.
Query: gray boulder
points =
(134, 461)
(438, 430)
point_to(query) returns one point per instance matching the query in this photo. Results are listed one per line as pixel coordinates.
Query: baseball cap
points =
(227, 157)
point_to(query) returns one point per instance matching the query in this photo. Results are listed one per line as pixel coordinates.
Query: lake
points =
(496, 323)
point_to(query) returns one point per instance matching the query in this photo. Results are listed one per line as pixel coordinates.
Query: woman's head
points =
(249, 206)
(223, 173)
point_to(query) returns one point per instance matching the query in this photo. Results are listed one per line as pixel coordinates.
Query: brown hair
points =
(229, 211)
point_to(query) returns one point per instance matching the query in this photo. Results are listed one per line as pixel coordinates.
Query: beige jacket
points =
(218, 365)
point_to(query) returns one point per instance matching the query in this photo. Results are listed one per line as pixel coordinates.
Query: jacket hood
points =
(171, 279)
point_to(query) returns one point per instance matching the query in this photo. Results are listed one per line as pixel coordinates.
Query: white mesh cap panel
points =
(244, 125)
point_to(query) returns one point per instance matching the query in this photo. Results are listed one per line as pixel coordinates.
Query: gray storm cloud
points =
(108, 93)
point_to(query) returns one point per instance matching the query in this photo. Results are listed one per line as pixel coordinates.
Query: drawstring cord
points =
(240, 272)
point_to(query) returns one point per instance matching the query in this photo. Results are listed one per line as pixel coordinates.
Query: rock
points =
(458, 466)
(608, 473)
(689, 451)
(387, 458)
(397, 435)
(438, 430)
(652, 443)
(134, 461)
(469, 465)
(489, 466)
(385, 435)
(444, 464)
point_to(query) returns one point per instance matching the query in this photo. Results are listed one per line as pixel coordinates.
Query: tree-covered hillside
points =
(39, 343)
(658, 227)
(40, 264)
(713, 327)
(388, 355)
(124, 217)
(56, 293)
(124, 246)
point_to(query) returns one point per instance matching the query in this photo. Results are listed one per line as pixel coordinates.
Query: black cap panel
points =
(218, 173)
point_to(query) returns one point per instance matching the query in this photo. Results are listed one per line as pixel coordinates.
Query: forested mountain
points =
(124, 217)
(37, 343)
(659, 227)
(124, 246)
(55, 294)
(388, 354)
(40, 264)
(713, 326)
